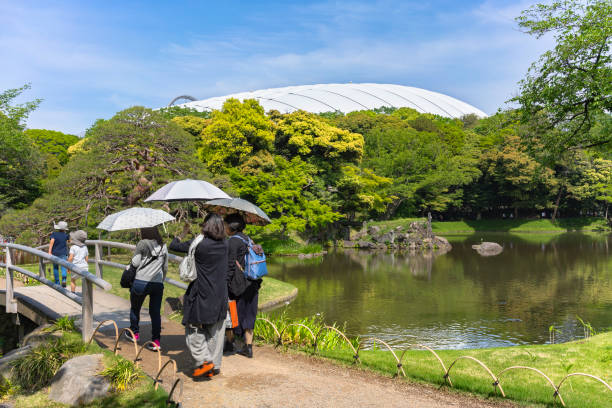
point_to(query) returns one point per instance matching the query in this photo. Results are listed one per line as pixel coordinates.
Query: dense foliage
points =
(569, 89)
(120, 161)
(316, 175)
(21, 164)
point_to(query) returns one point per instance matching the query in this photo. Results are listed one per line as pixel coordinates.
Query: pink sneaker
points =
(154, 345)
(128, 336)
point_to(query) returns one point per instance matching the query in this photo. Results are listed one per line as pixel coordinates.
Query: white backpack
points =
(187, 268)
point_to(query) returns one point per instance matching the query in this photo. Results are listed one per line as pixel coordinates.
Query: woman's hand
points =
(185, 231)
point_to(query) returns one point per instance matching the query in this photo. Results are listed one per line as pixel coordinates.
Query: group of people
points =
(77, 254)
(220, 259)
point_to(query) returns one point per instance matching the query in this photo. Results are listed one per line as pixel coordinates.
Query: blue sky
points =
(88, 60)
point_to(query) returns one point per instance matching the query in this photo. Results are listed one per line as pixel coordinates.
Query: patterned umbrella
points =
(187, 190)
(135, 217)
(252, 214)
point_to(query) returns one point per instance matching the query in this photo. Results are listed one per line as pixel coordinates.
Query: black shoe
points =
(228, 347)
(246, 351)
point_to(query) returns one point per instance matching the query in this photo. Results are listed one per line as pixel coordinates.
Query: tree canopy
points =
(21, 164)
(569, 88)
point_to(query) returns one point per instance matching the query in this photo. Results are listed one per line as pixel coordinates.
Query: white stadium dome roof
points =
(346, 98)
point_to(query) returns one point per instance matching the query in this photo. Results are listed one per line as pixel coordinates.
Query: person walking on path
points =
(151, 262)
(246, 291)
(78, 255)
(58, 246)
(205, 306)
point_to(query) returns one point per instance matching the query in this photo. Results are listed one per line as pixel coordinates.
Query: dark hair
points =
(235, 222)
(151, 233)
(213, 227)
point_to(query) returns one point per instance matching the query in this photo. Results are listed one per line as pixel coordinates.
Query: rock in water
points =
(77, 382)
(488, 248)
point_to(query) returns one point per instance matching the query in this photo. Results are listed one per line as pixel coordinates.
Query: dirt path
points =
(276, 379)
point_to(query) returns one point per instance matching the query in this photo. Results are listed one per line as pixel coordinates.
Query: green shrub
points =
(64, 324)
(34, 370)
(121, 374)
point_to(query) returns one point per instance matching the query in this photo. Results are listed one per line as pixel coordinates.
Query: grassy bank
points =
(280, 247)
(592, 356)
(271, 288)
(504, 225)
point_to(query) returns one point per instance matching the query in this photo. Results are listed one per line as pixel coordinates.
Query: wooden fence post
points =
(87, 310)
(41, 268)
(99, 271)
(11, 304)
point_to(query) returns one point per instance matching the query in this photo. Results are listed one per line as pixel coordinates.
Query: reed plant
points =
(121, 374)
(301, 332)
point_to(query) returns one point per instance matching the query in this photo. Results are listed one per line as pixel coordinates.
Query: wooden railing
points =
(85, 300)
(99, 261)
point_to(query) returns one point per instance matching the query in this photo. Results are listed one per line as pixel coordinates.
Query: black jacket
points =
(237, 282)
(206, 297)
(236, 251)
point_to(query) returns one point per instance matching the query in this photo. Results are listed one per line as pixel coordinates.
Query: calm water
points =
(460, 299)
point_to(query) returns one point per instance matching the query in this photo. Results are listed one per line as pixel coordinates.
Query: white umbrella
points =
(251, 213)
(135, 217)
(187, 190)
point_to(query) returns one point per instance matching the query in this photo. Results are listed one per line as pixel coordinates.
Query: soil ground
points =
(284, 379)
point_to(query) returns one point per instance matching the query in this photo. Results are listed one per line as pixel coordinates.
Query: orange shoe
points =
(214, 371)
(204, 369)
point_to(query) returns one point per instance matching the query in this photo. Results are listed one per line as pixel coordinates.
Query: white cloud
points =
(478, 56)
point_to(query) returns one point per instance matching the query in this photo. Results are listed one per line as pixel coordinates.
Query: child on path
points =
(79, 255)
(58, 246)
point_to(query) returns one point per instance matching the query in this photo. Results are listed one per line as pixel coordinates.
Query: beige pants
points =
(206, 342)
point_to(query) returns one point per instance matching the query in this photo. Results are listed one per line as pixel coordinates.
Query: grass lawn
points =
(504, 225)
(288, 247)
(593, 356)
(271, 288)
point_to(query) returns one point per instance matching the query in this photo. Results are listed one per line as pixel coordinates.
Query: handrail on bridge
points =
(86, 300)
(99, 262)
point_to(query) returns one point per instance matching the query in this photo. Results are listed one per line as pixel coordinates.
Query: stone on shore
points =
(78, 381)
(488, 248)
(5, 362)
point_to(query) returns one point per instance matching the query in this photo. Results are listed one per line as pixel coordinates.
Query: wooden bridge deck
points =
(38, 302)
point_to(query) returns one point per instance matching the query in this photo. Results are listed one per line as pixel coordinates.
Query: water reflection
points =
(460, 299)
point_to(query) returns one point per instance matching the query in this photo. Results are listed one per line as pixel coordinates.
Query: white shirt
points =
(80, 253)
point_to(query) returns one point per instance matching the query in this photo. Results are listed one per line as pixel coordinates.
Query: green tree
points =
(569, 86)
(123, 159)
(238, 130)
(281, 188)
(52, 142)
(21, 165)
(309, 137)
(361, 191)
(520, 182)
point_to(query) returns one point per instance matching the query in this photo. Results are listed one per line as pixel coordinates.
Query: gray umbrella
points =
(135, 217)
(187, 190)
(252, 214)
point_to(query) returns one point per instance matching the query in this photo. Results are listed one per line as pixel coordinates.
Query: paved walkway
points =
(271, 379)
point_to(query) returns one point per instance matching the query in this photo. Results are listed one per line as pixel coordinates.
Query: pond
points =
(461, 299)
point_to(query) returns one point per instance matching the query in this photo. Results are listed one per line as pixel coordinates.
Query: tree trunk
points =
(554, 215)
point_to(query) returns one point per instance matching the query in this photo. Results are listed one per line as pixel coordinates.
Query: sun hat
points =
(62, 226)
(78, 238)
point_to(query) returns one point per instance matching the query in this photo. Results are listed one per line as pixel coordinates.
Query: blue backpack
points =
(254, 260)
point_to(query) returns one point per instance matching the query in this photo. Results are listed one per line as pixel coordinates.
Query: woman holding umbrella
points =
(151, 262)
(205, 306)
(244, 291)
